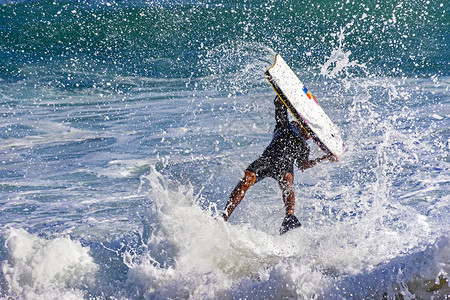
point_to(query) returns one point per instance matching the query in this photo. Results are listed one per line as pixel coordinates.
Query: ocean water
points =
(124, 126)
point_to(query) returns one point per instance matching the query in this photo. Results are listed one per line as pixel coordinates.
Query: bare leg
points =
(288, 193)
(290, 221)
(238, 193)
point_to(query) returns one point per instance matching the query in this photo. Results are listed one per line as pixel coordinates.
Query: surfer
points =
(288, 147)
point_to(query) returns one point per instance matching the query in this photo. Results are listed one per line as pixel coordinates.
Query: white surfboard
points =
(305, 108)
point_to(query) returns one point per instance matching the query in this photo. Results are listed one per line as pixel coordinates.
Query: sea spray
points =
(206, 257)
(199, 243)
(47, 268)
(339, 60)
(93, 94)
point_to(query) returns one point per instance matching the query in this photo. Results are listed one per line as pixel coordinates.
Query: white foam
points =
(51, 133)
(38, 268)
(124, 168)
(437, 117)
(191, 254)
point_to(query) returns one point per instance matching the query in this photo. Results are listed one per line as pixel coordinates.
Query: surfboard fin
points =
(289, 222)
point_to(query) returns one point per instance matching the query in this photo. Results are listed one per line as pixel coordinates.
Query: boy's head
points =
(302, 130)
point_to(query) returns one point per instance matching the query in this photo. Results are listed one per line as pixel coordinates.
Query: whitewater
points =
(125, 126)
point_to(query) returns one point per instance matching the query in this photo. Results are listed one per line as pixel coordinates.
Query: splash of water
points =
(40, 268)
(339, 60)
(190, 252)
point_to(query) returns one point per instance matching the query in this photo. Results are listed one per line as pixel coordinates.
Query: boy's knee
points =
(286, 181)
(288, 178)
(249, 178)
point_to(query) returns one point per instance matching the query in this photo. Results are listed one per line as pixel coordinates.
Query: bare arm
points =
(311, 163)
(281, 116)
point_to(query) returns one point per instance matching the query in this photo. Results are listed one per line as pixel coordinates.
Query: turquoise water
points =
(125, 125)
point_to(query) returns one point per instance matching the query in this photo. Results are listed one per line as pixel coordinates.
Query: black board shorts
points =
(270, 167)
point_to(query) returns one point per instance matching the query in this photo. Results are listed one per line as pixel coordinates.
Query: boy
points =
(287, 147)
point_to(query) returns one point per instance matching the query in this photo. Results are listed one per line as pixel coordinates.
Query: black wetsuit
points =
(286, 148)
